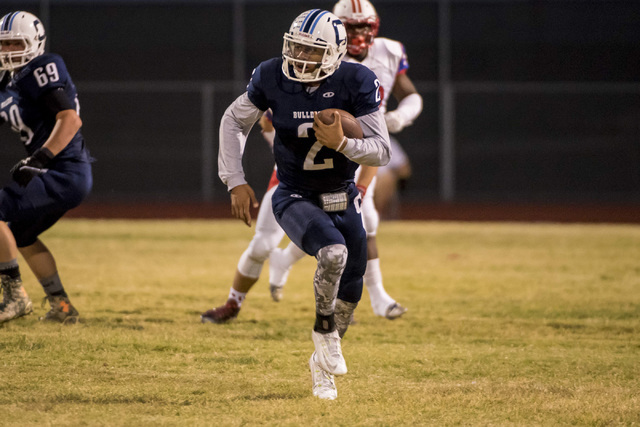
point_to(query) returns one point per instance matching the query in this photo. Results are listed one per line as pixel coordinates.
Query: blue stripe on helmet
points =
(308, 21)
(313, 27)
(5, 21)
(9, 21)
(306, 18)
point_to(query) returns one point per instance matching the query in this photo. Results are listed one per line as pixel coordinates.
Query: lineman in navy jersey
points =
(40, 103)
(317, 203)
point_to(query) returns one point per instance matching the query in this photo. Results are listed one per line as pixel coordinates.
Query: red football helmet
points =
(361, 21)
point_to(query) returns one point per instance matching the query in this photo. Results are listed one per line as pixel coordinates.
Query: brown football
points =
(350, 125)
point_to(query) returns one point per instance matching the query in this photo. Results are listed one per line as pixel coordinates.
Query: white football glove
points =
(395, 121)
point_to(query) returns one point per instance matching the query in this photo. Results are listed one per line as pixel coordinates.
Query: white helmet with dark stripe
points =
(22, 27)
(314, 46)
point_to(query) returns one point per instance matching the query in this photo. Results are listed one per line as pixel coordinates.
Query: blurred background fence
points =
(525, 101)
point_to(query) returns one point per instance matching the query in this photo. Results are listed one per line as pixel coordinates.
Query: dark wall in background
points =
(576, 139)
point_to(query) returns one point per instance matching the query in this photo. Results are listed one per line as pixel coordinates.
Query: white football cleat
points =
(276, 292)
(322, 382)
(329, 352)
(394, 311)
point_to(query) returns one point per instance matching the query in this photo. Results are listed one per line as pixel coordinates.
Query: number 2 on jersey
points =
(309, 161)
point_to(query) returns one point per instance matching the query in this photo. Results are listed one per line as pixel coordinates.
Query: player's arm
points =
(367, 173)
(409, 104)
(375, 148)
(372, 150)
(267, 129)
(235, 126)
(67, 124)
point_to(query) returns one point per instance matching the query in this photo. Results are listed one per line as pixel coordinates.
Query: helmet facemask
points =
(20, 27)
(313, 47)
(362, 23)
(360, 37)
(308, 60)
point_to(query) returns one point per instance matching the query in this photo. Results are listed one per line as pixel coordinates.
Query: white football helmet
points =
(357, 14)
(24, 27)
(314, 46)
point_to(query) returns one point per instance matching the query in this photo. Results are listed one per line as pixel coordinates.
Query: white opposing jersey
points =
(387, 59)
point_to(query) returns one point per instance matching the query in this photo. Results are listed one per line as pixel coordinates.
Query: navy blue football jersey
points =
(4, 95)
(304, 163)
(23, 108)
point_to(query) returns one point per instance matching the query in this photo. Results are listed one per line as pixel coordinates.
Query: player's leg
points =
(350, 291)
(45, 200)
(15, 302)
(322, 382)
(266, 238)
(313, 230)
(31, 210)
(43, 265)
(389, 178)
(384, 199)
(381, 302)
(280, 263)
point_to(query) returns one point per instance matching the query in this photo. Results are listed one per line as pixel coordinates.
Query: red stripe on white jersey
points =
(273, 181)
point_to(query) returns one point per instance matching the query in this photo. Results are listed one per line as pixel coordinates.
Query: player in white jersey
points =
(388, 60)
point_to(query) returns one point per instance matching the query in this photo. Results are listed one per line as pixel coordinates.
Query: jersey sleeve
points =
(403, 63)
(369, 94)
(254, 89)
(43, 74)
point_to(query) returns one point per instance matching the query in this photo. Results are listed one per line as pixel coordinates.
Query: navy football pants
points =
(311, 229)
(31, 210)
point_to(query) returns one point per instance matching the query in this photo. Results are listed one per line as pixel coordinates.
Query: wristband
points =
(362, 189)
(43, 155)
(342, 144)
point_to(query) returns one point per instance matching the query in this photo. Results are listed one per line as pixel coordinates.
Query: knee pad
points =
(248, 266)
(256, 254)
(261, 246)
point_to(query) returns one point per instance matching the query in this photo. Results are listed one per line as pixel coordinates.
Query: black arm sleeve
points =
(56, 100)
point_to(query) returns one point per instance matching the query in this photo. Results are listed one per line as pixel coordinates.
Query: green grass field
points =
(508, 324)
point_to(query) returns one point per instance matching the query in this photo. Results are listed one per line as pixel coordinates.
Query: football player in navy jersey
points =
(317, 202)
(40, 102)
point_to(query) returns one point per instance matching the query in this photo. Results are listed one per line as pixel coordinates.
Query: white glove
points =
(395, 121)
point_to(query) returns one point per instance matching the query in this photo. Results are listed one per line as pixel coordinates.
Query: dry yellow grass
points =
(508, 324)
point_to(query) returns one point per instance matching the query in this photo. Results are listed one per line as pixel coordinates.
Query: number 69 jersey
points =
(23, 108)
(302, 162)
